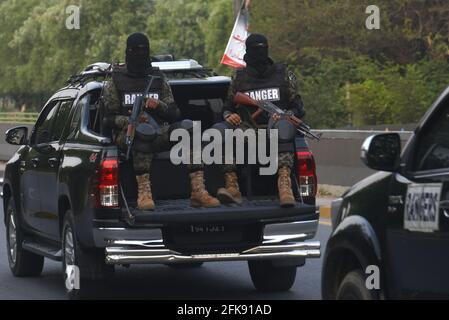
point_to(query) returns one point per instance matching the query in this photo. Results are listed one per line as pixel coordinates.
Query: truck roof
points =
(179, 72)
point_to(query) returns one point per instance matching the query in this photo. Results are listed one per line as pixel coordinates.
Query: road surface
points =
(212, 281)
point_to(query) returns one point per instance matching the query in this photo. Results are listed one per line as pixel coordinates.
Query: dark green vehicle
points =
(395, 222)
(70, 195)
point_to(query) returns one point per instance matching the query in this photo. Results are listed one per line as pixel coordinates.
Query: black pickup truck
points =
(70, 196)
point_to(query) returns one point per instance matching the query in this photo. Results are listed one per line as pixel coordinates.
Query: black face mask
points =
(257, 53)
(138, 54)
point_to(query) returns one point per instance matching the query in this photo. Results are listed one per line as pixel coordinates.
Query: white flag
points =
(235, 50)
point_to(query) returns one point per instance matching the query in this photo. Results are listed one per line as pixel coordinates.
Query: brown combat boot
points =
(200, 197)
(231, 192)
(286, 197)
(145, 198)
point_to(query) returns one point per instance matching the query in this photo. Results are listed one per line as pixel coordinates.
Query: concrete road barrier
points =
(337, 156)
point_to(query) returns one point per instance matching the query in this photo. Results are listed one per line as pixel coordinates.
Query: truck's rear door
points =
(193, 230)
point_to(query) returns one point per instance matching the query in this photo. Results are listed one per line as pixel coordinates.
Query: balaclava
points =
(257, 52)
(138, 54)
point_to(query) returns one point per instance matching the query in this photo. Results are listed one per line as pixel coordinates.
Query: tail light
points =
(108, 184)
(306, 174)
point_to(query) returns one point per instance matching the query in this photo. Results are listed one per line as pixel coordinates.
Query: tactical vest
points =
(272, 87)
(129, 86)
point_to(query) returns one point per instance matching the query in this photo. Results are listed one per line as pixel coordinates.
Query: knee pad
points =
(145, 132)
(144, 137)
(221, 127)
(185, 124)
(286, 131)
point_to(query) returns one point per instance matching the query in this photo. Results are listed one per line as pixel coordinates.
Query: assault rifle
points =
(271, 108)
(134, 117)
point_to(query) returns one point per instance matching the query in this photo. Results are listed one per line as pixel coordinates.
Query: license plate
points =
(196, 229)
(207, 234)
(422, 207)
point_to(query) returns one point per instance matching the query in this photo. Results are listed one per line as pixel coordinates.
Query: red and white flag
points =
(235, 50)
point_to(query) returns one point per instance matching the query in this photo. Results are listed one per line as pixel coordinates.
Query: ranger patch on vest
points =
(129, 98)
(271, 94)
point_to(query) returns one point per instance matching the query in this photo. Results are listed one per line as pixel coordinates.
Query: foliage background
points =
(349, 76)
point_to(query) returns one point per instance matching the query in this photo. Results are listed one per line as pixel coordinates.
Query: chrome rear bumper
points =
(281, 241)
(154, 252)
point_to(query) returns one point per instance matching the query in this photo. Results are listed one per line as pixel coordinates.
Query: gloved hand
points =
(152, 103)
(143, 118)
(234, 119)
(276, 117)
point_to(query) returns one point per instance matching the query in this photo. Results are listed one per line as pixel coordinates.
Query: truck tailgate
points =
(259, 229)
(169, 212)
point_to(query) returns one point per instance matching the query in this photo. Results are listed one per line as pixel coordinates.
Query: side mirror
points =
(382, 152)
(17, 136)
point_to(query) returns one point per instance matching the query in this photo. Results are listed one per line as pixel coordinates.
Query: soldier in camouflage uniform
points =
(262, 79)
(118, 97)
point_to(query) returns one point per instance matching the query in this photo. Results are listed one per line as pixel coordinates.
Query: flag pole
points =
(235, 49)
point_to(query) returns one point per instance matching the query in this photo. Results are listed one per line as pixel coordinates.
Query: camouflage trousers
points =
(285, 158)
(142, 160)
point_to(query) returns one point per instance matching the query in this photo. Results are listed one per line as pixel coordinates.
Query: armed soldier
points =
(128, 81)
(262, 79)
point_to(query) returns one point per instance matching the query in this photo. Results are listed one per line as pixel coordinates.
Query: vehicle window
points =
(44, 126)
(61, 121)
(76, 119)
(432, 149)
(95, 118)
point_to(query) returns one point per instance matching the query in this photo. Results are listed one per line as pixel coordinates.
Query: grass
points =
(18, 117)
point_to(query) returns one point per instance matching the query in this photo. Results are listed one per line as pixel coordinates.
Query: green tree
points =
(216, 29)
(348, 75)
(46, 52)
(192, 29)
(12, 16)
(175, 28)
